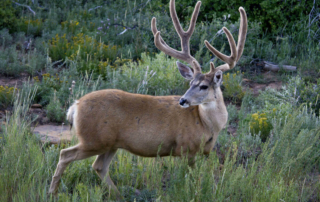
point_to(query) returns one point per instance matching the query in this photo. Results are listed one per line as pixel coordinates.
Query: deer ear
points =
(217, 79)
(185, 71)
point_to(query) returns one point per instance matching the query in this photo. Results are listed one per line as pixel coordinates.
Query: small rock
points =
(36, 106)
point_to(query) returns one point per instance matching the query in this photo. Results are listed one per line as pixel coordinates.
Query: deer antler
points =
(236, 51)
(184, 54)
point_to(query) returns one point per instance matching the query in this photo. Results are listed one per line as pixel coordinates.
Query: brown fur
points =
(161, 128)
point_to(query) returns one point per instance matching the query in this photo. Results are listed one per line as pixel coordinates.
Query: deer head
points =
(204, 88)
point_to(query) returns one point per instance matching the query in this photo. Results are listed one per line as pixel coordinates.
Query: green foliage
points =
(82, 46)
(8, 16)
(232, 113)
(9, 62)
(13, 62)
(5, 38)
(74, 27)
(273, 14)
(6, 96)
(156, 76)
(93, 56)
(308, 92)
(55, 111)
(232, 86)
(31, 26)
(260, 124)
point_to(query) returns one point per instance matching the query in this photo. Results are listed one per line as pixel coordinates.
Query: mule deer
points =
(151, 126)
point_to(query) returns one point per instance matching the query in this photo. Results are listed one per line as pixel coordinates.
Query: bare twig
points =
(34, 13)
(91, 9)
(126, 28)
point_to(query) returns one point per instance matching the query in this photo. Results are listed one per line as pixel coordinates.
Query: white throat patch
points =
(209, 105)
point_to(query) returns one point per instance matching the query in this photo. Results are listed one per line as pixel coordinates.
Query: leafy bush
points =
(6, 96)
(9, 62)
(232, 88)
(156, 76)
(74, 27)
(8, 16)
(5, 38)
(309, 92)
(273, 14)
(55, 111)
(92, 56)
(81, 46)
(232, 113)
(48, 86)
(260, 124)
(31, 26)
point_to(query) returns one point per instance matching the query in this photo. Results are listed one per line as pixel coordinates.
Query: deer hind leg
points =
(66, 157)
(101, 166)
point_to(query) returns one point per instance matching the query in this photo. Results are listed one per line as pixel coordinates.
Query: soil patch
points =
(14, 81)
(53, 134)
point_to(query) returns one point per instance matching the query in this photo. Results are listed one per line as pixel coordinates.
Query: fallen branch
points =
(273, 67)
(34, 13)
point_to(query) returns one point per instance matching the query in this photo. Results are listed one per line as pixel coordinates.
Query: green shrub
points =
(5, 38)
(260, 124)
(74, 26)
(155, 76)
(10, 62)
(304, 91)
(8, 16)
(55, 112)
(232, 88)
(13, 62)
(273, 14)
(31, 26)
(91, 55)
(310, 94)
(47, 86)
(6, 96)
(232, 114)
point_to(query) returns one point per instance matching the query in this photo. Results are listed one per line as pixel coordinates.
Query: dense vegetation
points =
(68, 48)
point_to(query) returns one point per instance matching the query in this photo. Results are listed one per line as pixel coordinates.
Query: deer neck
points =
(214, 114)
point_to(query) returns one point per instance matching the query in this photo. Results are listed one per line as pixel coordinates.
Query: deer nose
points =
(182, 101)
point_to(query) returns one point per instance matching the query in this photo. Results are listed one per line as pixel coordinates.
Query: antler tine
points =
(212, 68)
(184, 54)
(230, 60)
(184, 35)
(196, 67)
(236, 51)
(242, 32)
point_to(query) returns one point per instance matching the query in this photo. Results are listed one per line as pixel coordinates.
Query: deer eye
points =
(203, 87)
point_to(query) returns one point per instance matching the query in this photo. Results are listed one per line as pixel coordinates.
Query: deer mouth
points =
(185, 105)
